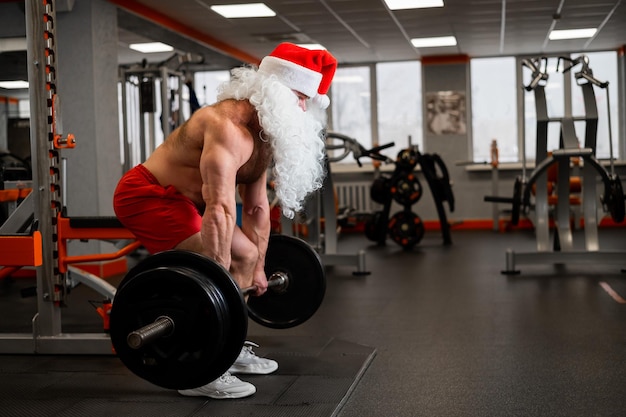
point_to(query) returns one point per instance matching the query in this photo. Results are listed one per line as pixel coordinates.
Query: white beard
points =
(295, 135)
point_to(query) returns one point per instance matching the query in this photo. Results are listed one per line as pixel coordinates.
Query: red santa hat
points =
(307, 71)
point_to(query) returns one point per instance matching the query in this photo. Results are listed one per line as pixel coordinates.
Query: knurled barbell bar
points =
(179, 320)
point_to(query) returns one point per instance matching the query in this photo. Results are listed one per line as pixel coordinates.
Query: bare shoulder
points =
(205, 118)
(224, 121)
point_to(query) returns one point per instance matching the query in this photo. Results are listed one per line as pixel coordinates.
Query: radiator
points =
(356, 196)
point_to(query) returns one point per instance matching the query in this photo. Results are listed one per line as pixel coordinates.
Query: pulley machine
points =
(152, 105)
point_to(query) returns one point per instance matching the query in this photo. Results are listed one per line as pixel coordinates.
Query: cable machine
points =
(152, 105)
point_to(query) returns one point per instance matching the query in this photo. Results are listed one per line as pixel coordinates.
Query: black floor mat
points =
(314, 378)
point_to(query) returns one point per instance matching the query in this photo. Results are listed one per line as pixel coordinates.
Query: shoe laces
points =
(247, 349)
(227, 378)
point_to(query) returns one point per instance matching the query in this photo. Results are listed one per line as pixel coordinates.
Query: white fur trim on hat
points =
(294, 76)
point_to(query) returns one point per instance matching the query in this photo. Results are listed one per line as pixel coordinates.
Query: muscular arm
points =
(255, 224)
(221, 158)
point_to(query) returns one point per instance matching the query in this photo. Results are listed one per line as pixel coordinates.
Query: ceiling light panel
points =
(150, 47)
(13, 85)
(413, 4)
(571, 34)
(239, 11)
(434, 42)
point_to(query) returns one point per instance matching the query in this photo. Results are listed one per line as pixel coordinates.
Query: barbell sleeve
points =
(161, 327)
(277, 279)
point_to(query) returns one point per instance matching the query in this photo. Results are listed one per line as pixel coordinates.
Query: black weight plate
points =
(305, 291)
(376, 227)
(206, 306)
(380, 191)
(406, 229)
(406, 159)
(407, 190)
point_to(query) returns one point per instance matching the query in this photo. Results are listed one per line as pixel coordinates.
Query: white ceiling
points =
(355, 31)
(359, 31)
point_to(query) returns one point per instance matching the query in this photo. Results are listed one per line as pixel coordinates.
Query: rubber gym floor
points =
(435, 331)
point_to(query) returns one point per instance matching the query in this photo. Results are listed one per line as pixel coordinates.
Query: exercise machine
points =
(561, 249)
(151, 91)
(37, 232)
(403, 186)
(321, 204)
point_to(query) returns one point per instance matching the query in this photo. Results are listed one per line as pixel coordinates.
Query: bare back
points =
(228, 126)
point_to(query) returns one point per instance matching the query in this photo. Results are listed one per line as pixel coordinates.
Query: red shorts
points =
(160, 217)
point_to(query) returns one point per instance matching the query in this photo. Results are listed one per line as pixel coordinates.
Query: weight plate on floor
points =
(282, 308)
(208, 310)
(406, 229)
(376, 228)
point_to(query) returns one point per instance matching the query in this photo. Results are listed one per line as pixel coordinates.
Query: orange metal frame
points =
(66, 232)
(14, 194)
(17, 251)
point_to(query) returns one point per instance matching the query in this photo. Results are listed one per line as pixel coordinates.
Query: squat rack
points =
(37, 232)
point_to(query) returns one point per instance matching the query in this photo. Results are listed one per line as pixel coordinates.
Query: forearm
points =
(255, 225)
(218, 224)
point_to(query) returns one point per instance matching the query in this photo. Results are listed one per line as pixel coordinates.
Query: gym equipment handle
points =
(163, 326)
(495, 199)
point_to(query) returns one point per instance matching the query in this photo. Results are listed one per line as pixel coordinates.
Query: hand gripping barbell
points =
(179, 320)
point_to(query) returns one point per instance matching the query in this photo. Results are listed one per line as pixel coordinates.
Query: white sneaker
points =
(249, 363)
(226, 386)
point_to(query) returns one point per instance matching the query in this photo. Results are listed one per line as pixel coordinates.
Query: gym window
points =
(494, 108)
(206, 83)
(604, 66)
(399, 86)
(351, 109)
(496, 114)
(390, 113)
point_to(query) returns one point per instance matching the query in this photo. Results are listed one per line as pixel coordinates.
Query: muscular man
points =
(184, 195)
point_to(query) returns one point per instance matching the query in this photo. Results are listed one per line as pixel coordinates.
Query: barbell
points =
(164, 325)
(179, 320)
